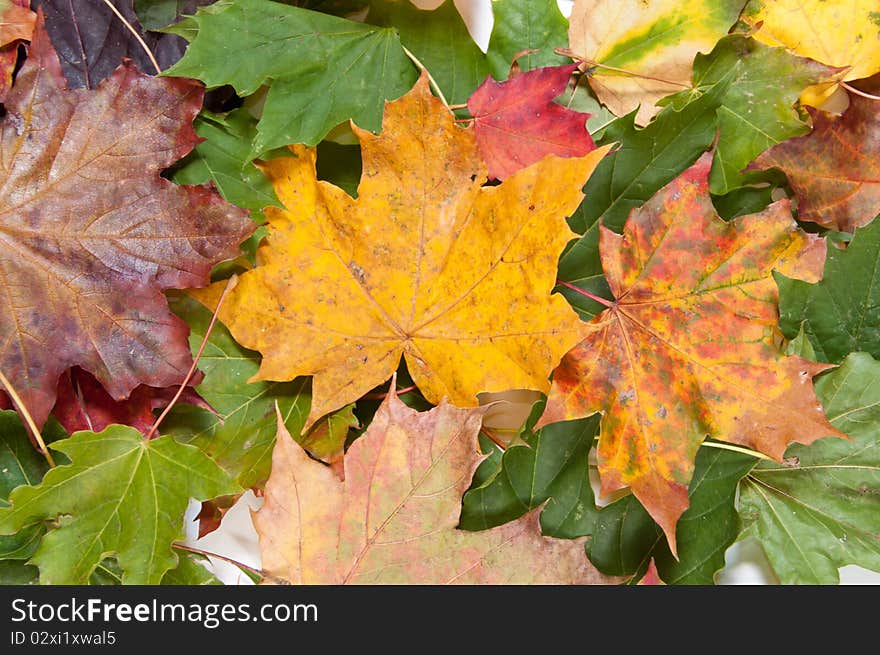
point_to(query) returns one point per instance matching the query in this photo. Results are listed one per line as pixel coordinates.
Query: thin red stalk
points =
(584, 292)
(565, 52)
(381, 396)
(498, 442)
(859, 92)
(229, 560)
(230, 284)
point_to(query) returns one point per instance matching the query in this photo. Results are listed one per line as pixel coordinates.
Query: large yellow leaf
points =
(425, 263)
(393, 519)
(651, 43)
(832, 32)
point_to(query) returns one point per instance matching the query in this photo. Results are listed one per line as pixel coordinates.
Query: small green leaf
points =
(551, 466)
(526, 25)
(821, 509)
(241, 439)
(223, 158)
(321, 70)
(757, 111)
(440, 40)
(120, 496)
(625, 538)
(841, 313)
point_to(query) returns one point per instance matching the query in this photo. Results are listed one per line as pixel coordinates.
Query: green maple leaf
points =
(440, 40)
(758, 109)
(841, 313)
(321, 70)
(241, 438)
(120, 496)
(526, 25)
(821, 510)
(223, 158)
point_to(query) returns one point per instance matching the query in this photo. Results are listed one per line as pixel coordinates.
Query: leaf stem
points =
(462, 105)
(565, 52)
(28, 419)
(422, 68)
(584, 292)
(494, 439)
(137, 36)
(737, 449)
(198, 551)
(859, 92)
(381, 396)
(230, 285)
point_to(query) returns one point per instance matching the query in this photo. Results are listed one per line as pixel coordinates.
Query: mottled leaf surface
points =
(835, 170)
(686, 350)
(821, 510)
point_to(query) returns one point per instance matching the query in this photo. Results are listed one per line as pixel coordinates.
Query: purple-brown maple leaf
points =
(92, 234)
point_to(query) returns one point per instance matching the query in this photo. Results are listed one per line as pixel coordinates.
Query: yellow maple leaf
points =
(834, 33)
(426, 263)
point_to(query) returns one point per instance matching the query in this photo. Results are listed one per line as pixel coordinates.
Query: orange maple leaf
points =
(687, 350)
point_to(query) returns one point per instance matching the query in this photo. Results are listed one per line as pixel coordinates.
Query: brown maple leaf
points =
(835, 169)
(517, 123)
(393, 520)
(687, 349)
(92, 234)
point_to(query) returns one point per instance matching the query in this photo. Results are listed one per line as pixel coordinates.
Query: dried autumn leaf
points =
(517, 123)
(16, 24)
(834, 33)
(92, 234)
(834, 170)
(687, 348)
(651, 43)
(426, 263)
(393, 520)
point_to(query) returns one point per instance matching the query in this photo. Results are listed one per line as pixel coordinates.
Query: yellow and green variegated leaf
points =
(645, 48)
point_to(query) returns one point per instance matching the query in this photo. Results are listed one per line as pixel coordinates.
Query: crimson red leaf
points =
(92, 234)
(517, 123)
(83, 404)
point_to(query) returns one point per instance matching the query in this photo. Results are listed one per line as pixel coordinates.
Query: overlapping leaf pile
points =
(289, 247)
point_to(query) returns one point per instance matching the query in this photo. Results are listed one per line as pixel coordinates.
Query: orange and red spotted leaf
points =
(92, 234)
(517, 123)
(835, 169)
(687, 350)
